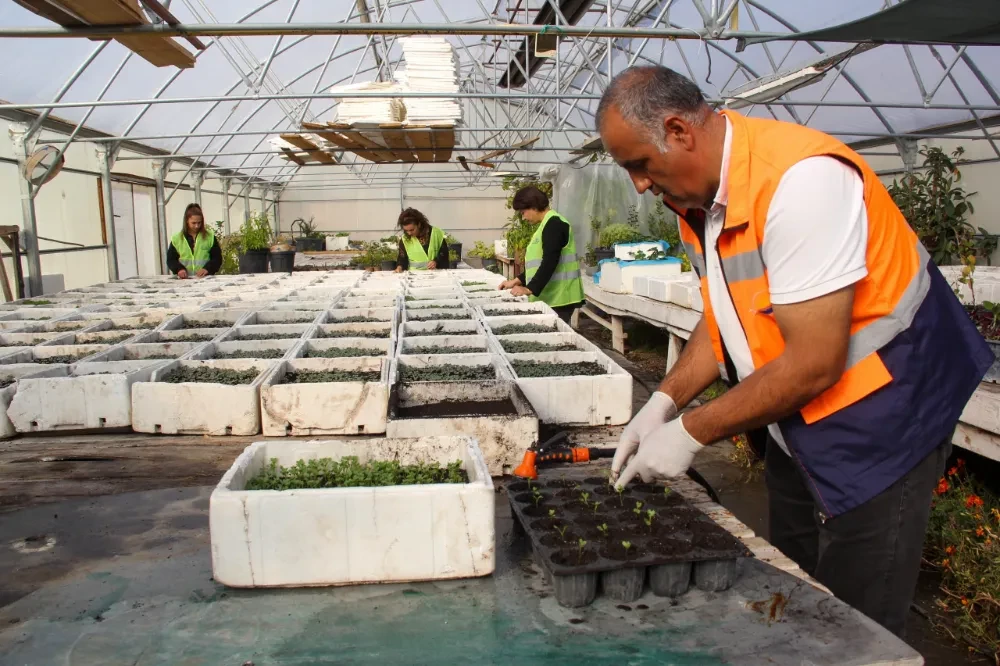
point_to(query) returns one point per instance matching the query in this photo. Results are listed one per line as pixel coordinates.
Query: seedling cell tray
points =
(619, 543)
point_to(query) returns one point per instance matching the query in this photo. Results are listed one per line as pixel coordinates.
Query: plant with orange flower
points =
(962, 542)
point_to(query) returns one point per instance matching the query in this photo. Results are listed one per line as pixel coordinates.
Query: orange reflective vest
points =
(903, 307)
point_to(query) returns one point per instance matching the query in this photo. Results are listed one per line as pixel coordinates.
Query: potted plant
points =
(482, 255)
(309, 239)
(454, 258)
(612, 235)
(255, 243)
(229, 244)
(453, 244)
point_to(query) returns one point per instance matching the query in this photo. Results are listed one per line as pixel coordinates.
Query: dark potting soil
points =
(28, 343)
(446, 306)
(342, 352)
(217, 323)
(528, 347)
(269, 336)
(676, 532)
(108, 341)
(451, 408)
(436, 349)
(193, 337)
(446, 373)
(60, 359)
(142, 326)
(508, 312)
(324, 376)
(436, 316)
(985, 321)
(516, 329)
(352, 334)
(251, 353)
(544, 369)
(356, 319)
(204, 374)
(566, 540)
(573, 557)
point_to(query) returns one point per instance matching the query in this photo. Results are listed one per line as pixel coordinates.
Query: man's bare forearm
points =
(695, 369)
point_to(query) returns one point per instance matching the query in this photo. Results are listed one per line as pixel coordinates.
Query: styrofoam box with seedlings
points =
(325, 408)
(9, 377)
(123, 322)
(513, 309)
(111, 337)
(212, 318)
(376, 330)
(76, 324)
(442, 327)
(345, 536)
(438, 314)
(363, 304)
(432, 294)
(46, 354)
(446, 303)
(551, 323)
(493, 413)
(45, 313)
(356, 347)
(379, 314)
(594, 400)
(146, 351)
(536, 341)
(83, 396)
(493, 297)
(408, 368)
(422, 344)
(265, 348)
(187, 335)
(281, 317)
(10, 341)
(265, 332)
(199, 407)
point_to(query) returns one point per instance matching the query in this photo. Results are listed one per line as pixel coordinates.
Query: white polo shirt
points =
(815, 239)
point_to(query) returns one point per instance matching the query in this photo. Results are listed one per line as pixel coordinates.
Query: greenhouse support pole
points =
(199, 178)
(274, 203)
(29, 231)
(105, 156)
(225, 209)
(263, 202)
(246, 202)
(159, 171)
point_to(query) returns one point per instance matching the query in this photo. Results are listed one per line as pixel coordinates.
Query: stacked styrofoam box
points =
(339, 536)
(640, 285)
(7, 393)
(430, 66)
(617, 276)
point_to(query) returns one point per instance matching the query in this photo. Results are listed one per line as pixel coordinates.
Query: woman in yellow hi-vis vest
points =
(194, 250)
(551, 267)
(422, 247)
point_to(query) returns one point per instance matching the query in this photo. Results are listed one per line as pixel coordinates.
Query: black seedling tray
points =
(681, 545)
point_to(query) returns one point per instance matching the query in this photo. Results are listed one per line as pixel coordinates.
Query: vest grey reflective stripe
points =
(743, 266)
(565, 275)
(881, 332)
(419, 264)
(696, 259)
(535, 263)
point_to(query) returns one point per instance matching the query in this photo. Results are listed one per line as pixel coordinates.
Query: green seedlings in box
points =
(433, 331)
(250, 353)
(596, 505)
(61, 359)
(269, 336)
(194, 337)
(446, 306)
(650, 516)
(562, 532)
(536, 496)
(352, 334)
(515, 329)
(327, 376)
(603, 529)
(530, 346)
(342, 352)
(141, 326)
(357, 319)
(410, 299)
(348, 472)
(585, 499)
(473, 284)
(437, 349)
(446, 373)
(438, 316)
(666, 492)
(545, 369)
(34, 301)
(114, 339)
(638, 509)
(216, 323)
(204, 374)
(580, 544)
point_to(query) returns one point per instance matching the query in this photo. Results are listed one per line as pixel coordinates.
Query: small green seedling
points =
(620, 490)
(638, 509)
(579, 546)
(650, 515)
(585, 498)
(626, 545)
(562, 532)
(603, 529)
(666, 492)
(536, 495)
(552, 513)
(993, 309)
(596, 505)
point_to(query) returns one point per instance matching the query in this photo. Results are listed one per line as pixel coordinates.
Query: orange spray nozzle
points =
(527, 468)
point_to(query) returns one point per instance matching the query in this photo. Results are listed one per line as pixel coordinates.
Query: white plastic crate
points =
(344, 536)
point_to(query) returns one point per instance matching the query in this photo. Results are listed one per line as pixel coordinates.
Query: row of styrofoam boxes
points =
(619, 276)
(683, 290)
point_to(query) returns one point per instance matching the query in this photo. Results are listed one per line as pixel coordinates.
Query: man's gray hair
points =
(643, 95)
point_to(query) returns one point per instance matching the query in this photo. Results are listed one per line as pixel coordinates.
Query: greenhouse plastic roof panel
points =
(269, 65)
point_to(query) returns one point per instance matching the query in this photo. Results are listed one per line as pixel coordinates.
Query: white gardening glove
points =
(664, 453)
(658, 410)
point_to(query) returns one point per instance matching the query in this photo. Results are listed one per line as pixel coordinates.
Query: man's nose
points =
(641, 183)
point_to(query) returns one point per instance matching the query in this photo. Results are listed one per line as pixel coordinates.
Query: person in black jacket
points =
(194, 250)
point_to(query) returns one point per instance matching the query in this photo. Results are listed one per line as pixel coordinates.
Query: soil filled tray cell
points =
(622, 538)
(217, 399)
(543, 342)
(372, 330)
(514, 309)
(263, 349)
(220, 318)
(601, 398)
(266, 332)
(190, 335)
(282, 317)
(437, 314)
(54, 353)
(414, 329)
(110, 337)
(322, 396)
(146, 351)
(353, 535)
(353, 303)
(416, 368)
(84, 396)
(527, 323)
(9, 341)
(442, 304)
(443, 344)
(360, 316)
(493, 412)
(346, 347)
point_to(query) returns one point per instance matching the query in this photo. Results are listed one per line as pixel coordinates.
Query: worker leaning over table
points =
(420, 242)
(194, 251)
(846, 341)
(551, 267)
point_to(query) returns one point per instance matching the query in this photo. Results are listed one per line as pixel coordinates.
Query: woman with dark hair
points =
(422, 247)
(194, 250)
(551, 267)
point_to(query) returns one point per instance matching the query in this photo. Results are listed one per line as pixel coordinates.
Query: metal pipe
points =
(944, 77)
(65, 88)
(105, 156)
(308, 28)
(225, 209)
(159, 171)
(29, 230)
(198, 180)
(277, 45)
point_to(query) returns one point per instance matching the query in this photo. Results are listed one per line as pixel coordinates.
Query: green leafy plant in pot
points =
(229, 244)
(453, 244)
(309, 239)
(612, 235)
(255, 242)
(482, 254)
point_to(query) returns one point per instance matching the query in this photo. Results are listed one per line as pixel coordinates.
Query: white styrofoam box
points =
(7, 393)
(356, 329)
(206, 319)
(196, 407)
(325, 408)
(140, 320)
(111, 337)
(619, 276)
(640, 285)
(551, 322)
(266, 317)
(513, 309)
(438, 314)
(334, 243)
(216, 349)
(577, 400)
(417, 361)
(188, 334)
(450, 407)
(32, 339)
(378, 346)
(500, 248)
(83, 396)
(312, 306)
(345, 315)
(659, 288)
(363, 303)
(276, 331)
(433, 293)
(626, 251)
(482, 297)
(420, 343)
(446, 303)
(443, 327)
(343, 536)
(145, 351)
(686, 293)
(551, 339)
(40, 353)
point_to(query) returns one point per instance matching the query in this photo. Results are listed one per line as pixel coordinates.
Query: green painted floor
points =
(126, 580)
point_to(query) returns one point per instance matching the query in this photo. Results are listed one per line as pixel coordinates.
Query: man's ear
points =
(678, 131)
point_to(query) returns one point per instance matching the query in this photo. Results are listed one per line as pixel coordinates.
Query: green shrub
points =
(483, 251)
(256, 233)
(614, 234)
